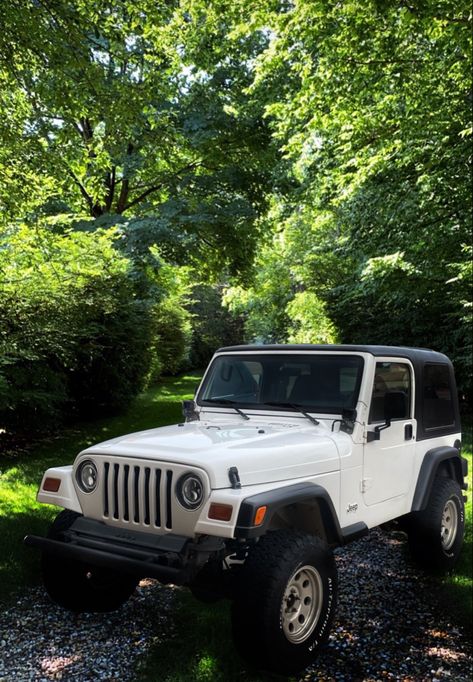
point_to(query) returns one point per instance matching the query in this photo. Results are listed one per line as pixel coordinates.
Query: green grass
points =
(457, 593)
(20, 475)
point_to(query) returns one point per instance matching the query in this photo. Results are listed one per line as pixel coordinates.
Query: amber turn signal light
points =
(51, 485)
(259, 516)
(220, 512)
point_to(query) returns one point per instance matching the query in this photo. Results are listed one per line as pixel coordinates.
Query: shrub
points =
(73, 335)
(172, 333)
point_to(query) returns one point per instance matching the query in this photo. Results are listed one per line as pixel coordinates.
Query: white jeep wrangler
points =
(286, 452)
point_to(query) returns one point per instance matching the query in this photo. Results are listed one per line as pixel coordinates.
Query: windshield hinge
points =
(234, 477)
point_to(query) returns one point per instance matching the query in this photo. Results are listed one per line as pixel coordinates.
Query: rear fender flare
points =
(433, 460)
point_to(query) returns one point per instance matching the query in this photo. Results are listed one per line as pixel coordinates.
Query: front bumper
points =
(168, 558)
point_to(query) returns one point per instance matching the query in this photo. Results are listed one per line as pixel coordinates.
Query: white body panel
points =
(66, 496)
(264, 451)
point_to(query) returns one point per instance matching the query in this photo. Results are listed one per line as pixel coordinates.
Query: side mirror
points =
(395, 407)
(188, 411)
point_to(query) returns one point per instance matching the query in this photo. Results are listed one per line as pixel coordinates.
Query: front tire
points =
(286, 601)
(78, 586)
(436, 533)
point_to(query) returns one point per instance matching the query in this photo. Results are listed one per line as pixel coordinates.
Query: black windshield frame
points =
(273, 364)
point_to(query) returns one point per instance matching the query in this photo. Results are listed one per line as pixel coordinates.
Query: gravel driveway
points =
(389, 627)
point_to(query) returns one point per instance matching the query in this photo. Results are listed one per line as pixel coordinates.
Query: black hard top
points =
(416, 355)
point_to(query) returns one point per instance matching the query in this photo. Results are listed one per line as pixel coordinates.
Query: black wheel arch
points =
(444, 460)
(296, 495)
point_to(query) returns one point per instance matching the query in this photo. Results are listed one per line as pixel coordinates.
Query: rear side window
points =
(437, 398)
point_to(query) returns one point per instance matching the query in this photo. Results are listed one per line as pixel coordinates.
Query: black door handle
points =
(408, 432)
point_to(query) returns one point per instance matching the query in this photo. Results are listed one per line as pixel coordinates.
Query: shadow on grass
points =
(455, 598)
(158, 406)
(201, 648)
(19, 565)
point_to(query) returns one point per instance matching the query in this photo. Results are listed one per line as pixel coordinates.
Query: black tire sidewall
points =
(257, 612)
(304, 652)
(424, 529)
(453, 552)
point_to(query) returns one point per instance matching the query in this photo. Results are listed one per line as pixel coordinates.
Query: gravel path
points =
(388, 627)
(40, 641)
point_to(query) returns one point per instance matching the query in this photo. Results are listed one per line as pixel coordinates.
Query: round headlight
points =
(190, 491)
(87, 476)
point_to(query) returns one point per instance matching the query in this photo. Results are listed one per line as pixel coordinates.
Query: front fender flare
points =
(282, 497)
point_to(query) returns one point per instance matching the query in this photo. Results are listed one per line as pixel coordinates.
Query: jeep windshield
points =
(322, 383)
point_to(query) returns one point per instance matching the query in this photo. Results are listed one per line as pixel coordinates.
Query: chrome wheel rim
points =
(448, 531)
(301, 604)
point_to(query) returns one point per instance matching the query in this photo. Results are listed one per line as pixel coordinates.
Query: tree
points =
(114, 113)
(371, 104)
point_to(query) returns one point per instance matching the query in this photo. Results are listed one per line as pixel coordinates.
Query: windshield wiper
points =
(297, 407)
(226, 401)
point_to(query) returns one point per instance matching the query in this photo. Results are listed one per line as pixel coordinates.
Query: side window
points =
(437, 398)
(388, 377)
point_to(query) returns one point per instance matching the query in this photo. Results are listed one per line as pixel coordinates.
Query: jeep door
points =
(388, 463)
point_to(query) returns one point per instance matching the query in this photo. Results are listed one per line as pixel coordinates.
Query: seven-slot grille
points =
(137, 493)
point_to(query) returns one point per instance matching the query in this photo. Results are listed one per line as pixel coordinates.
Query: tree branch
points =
(125, 188)
(83, 191)
(159, 185)
(143, 195)
(110, 182)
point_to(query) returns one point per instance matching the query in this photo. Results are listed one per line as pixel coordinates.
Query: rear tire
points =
(286, 601)
(436, 533)
(78, 586)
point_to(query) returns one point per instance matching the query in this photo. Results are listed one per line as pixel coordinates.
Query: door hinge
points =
(365, 484)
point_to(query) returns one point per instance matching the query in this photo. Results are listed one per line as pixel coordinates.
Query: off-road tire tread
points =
(424, 528)
(267, 564)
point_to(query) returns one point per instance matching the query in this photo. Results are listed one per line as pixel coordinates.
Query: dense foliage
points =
(212, 324)
(371, 104)
(74, 335)
(308, 163)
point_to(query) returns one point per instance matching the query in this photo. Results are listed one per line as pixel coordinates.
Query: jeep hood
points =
(263, 452)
